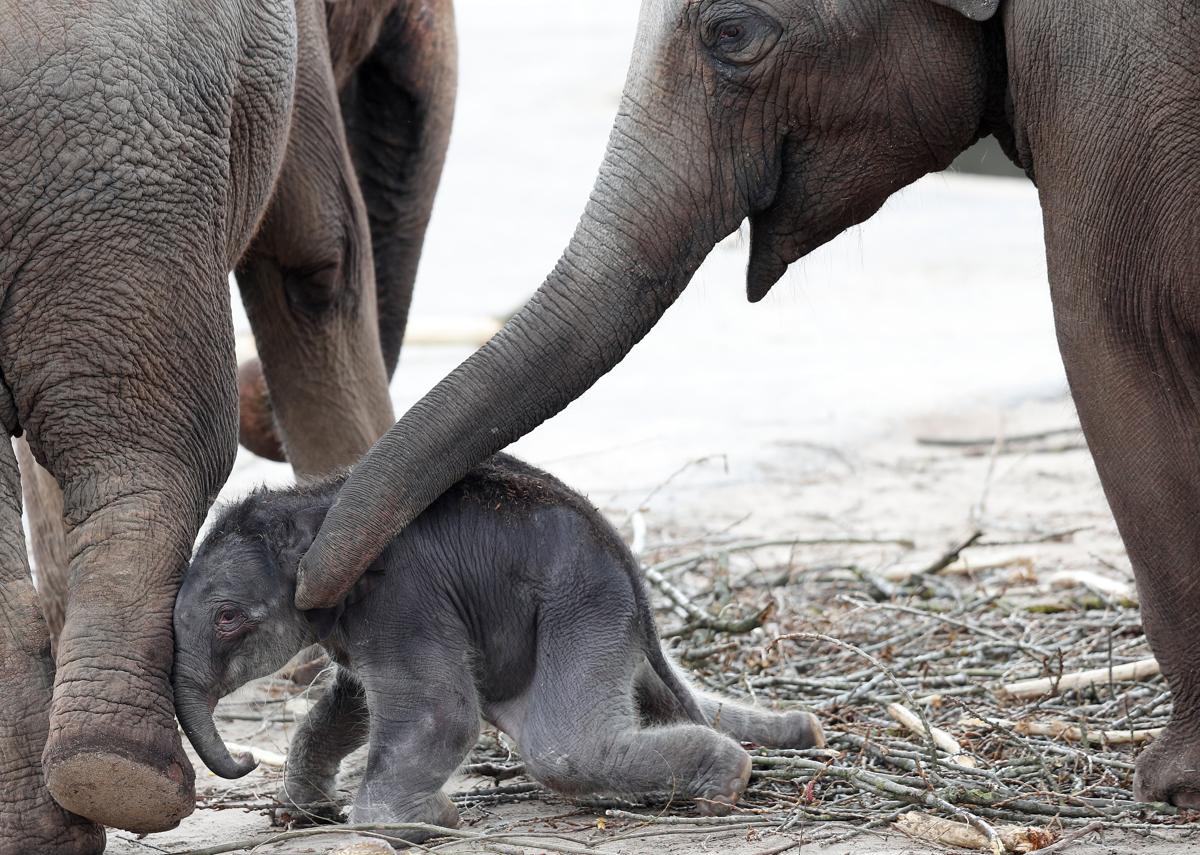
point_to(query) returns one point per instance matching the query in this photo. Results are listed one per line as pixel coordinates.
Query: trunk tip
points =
(243, 764)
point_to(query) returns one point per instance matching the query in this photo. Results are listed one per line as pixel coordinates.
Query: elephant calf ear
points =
(976, 10)
(301, 532)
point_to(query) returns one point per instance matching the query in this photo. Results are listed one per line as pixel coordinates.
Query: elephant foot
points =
(1169, 771)
(37, 824)
(433, 810)
(256, 419)
(797, 729)
(305, 801)
(719, 800)
(116, 781)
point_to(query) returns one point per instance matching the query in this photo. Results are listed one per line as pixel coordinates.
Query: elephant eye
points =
(744, 39)
(229, 620)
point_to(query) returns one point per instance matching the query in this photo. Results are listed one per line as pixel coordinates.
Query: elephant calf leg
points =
(422, 726)
(338, 724)
(791, 729)
(612, 755)
(582, 734)
(30, 820)
(745, 723)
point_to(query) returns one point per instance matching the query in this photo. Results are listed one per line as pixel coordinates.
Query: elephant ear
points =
(299, 531)
(976, 10)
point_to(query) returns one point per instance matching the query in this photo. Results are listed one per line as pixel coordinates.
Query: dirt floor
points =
(870, 530)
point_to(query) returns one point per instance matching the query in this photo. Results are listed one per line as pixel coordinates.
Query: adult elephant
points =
(804, 117)
(147, 152)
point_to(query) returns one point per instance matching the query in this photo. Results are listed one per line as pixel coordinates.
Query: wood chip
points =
(262, 755)
(1016, 838)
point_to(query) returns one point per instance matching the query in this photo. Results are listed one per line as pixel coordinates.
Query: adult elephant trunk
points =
(194, 710)
(660, 203)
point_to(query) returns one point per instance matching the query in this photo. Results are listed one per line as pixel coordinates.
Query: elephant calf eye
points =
(731, 33)
(229, 619)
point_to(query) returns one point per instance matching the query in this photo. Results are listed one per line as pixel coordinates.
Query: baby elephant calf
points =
(511, 599)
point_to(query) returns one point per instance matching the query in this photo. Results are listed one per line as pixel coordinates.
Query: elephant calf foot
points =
(719, 799)
(372, 807)
(306, 801)
(796, 729)
(1169, 771)
(35, 823)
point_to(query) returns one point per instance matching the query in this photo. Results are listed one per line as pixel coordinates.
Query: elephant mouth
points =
(774, 242)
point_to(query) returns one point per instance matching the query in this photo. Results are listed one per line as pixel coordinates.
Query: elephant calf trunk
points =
(195, 714)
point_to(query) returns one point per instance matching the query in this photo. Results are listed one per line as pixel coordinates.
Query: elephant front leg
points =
(337, 725)
(399, 106)
(30, 820)
(308, 286)
(424, 720)
(1136, 382)
(141, 436)
(114, 752)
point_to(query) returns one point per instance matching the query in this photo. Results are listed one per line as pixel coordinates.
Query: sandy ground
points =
(796, 417)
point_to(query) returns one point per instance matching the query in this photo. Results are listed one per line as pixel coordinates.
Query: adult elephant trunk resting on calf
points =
(804, 117)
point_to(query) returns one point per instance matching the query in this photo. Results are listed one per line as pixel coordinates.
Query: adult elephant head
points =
(801, 115)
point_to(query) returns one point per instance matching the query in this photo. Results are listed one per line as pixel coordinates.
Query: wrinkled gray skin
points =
(511, 599)
(147, 150)
(803, 116)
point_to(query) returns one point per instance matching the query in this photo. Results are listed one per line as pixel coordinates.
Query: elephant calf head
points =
(801, 115)
(234, 617)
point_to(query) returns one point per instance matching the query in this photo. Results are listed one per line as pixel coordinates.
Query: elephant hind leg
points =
(48, 538)
(30, 820)
(399, 107)
(743, 722)
(582, 735)
(307, 282)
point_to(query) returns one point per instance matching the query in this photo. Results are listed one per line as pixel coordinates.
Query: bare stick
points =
(921, 826)
(267, 758)
(1131, 672)
(935, 442)
(953, 555)
(941, 738)
(1069, 732)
